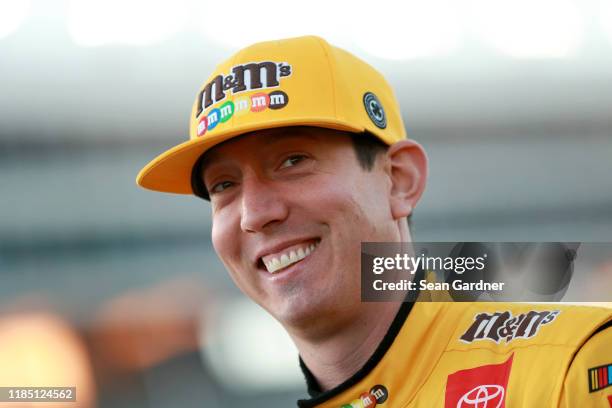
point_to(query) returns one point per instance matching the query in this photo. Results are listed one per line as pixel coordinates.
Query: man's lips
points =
(285, 254)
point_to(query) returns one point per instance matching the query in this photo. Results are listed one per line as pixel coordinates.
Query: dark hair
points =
(197, 183)
(367, 148)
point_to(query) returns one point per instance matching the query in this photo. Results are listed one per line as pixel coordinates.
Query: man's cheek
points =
(221, 244)
(214, 236)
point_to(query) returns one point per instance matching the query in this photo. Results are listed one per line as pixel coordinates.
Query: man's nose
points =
(262, 205)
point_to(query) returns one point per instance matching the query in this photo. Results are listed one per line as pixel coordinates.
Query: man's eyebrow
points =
(269, 140)
(206, 161)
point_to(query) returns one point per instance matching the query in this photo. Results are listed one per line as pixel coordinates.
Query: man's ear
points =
(407, 169)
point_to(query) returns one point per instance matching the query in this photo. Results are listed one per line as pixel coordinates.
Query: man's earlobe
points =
(407, 167)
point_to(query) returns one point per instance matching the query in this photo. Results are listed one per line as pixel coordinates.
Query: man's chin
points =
(298, 314)
(306, 318)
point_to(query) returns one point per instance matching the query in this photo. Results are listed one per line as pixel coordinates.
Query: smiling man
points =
(300, 148)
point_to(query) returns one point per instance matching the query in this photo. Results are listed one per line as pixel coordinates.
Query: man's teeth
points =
(289, 258)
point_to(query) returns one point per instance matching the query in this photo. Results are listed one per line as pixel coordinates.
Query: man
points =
(301, 150)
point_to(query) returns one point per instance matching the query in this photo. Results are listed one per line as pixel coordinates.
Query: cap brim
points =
(170, 172)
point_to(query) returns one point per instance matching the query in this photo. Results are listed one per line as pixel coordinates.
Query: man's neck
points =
(335, 358)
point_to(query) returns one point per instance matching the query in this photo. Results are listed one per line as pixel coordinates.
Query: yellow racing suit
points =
(483, 355)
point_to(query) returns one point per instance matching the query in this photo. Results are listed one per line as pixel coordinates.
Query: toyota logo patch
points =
(483, 396)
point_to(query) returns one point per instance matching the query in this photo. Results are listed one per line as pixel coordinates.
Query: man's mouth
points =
(288, 256)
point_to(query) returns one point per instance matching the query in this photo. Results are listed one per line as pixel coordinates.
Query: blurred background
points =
(117, 290)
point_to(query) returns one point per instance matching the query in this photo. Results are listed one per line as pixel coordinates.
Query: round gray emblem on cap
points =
(375, 110)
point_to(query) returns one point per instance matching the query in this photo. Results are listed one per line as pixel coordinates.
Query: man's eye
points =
(292, 160)
(219, 187)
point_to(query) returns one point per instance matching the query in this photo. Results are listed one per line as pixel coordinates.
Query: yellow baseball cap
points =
(300, 81)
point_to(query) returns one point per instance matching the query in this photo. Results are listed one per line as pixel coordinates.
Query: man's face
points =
(290, 207)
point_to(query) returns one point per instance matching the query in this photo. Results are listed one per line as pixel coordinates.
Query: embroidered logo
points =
(378, 395)
(502, 326)
(479, 387)
(375, 110)
(242, 78)
(481, 395)
(600, 377)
